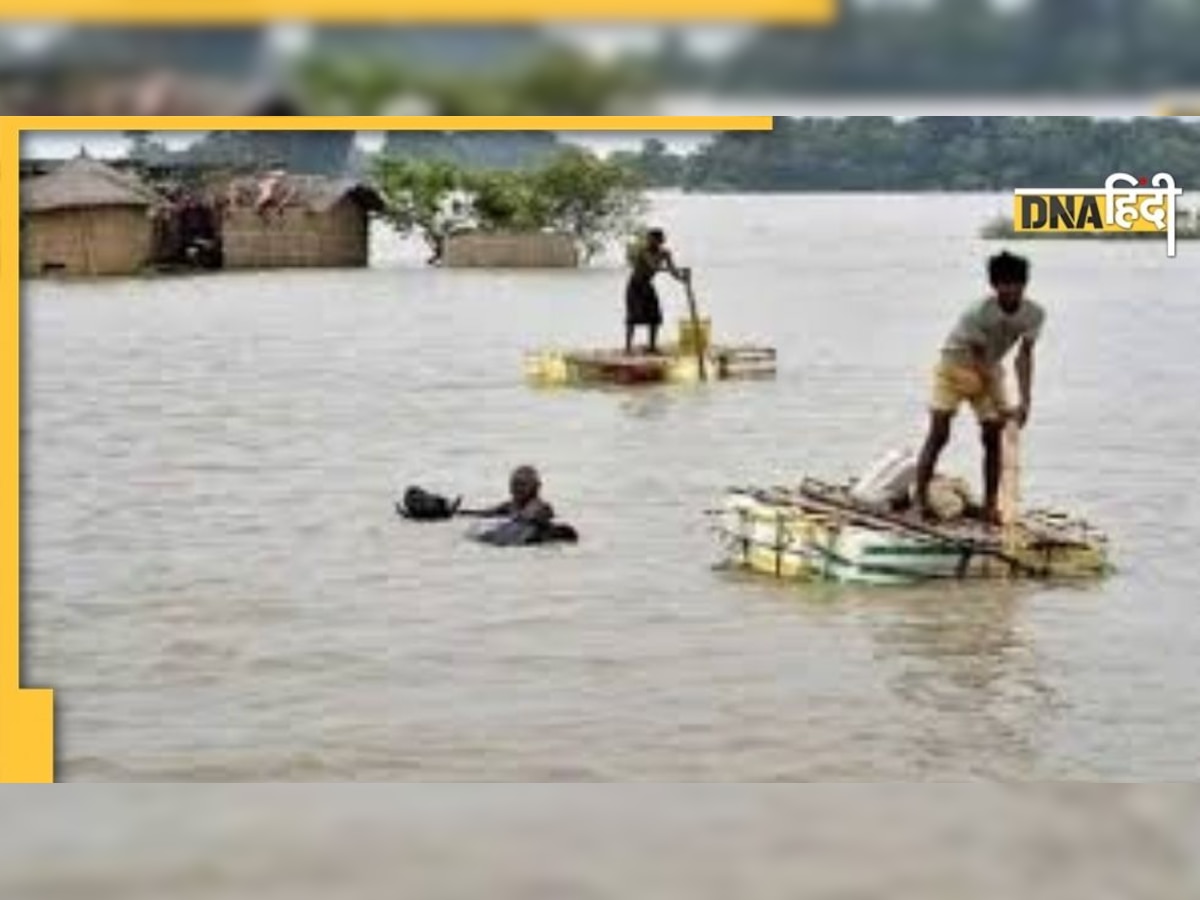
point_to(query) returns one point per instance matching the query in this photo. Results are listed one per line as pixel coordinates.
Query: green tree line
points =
(964, 47)
(932, 153)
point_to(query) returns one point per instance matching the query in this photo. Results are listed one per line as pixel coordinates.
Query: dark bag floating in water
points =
(515, 533)
(423, 506)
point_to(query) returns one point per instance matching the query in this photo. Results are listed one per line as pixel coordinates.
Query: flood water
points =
(216, 585)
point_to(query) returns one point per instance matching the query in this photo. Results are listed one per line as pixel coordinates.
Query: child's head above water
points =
(524, 484)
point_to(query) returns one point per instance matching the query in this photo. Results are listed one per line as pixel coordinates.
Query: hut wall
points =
(296, 237)
(102, 240)
(516, 250)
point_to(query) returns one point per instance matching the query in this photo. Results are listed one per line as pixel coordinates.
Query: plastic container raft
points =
(819, 532)
(677, 363)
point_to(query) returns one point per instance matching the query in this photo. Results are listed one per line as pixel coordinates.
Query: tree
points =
(420, 196)
(592, 200)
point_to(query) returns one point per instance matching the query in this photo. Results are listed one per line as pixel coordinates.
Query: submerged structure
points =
(510, 250)
(86, 218)
(682, 362)
(282, 220)
(818, 531)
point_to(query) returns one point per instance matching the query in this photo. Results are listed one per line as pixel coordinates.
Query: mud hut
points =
(510, 250)
(86, 218)
(281, 220)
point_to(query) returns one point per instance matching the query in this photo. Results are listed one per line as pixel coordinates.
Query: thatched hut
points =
(86, 218)
(510, 250)
(281, 220)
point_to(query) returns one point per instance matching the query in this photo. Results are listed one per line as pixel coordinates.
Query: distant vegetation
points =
(934, 48)
(932, 153)
(947, 47)
(593, 200)
(554, 80)
(855, 153)
(476, 149)
(315, 152)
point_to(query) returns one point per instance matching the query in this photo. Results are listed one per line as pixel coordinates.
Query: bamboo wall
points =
(516, 250)
(296, 237)
(103, 240)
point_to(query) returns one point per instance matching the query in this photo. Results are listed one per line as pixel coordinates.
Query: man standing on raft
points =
(971, 369)
(647, 257)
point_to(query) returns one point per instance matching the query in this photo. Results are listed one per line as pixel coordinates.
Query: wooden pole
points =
(1010, 481)
(701, 350)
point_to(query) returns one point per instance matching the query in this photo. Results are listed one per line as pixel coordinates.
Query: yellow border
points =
(474, 12)
(26, 714)
(389, 123)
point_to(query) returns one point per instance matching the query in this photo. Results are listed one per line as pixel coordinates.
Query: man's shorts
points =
(954, 383)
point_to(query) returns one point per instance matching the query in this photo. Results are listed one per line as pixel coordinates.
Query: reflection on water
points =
(219, 589)
(650, 402)
(970, 659)
(962, 656)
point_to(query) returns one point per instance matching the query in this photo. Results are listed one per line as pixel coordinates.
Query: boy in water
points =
(647, 258)
(525, 503)
(970, 369)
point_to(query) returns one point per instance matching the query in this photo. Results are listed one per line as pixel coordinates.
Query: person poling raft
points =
(526, 518)
(693, 358)
(647, 257)
(971, 370)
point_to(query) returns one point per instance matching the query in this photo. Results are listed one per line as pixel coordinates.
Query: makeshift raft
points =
(819, 532)
(582, 367)
(677, 363)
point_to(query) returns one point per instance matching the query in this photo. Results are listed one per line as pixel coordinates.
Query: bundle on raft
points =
(819, 531)
(676, 363)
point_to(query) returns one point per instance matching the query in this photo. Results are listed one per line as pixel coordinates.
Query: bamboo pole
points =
(694, 314)
(1010, 481)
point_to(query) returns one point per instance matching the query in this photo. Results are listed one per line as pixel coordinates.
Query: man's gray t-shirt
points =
(988, 326)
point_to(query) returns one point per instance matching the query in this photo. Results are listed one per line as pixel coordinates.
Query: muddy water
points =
(217, 587)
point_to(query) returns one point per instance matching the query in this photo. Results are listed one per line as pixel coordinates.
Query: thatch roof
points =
(315, 193)
(82, 183)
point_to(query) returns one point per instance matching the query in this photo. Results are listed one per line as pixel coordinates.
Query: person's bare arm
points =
(668, 263)
(538, 512)
(489, 512)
